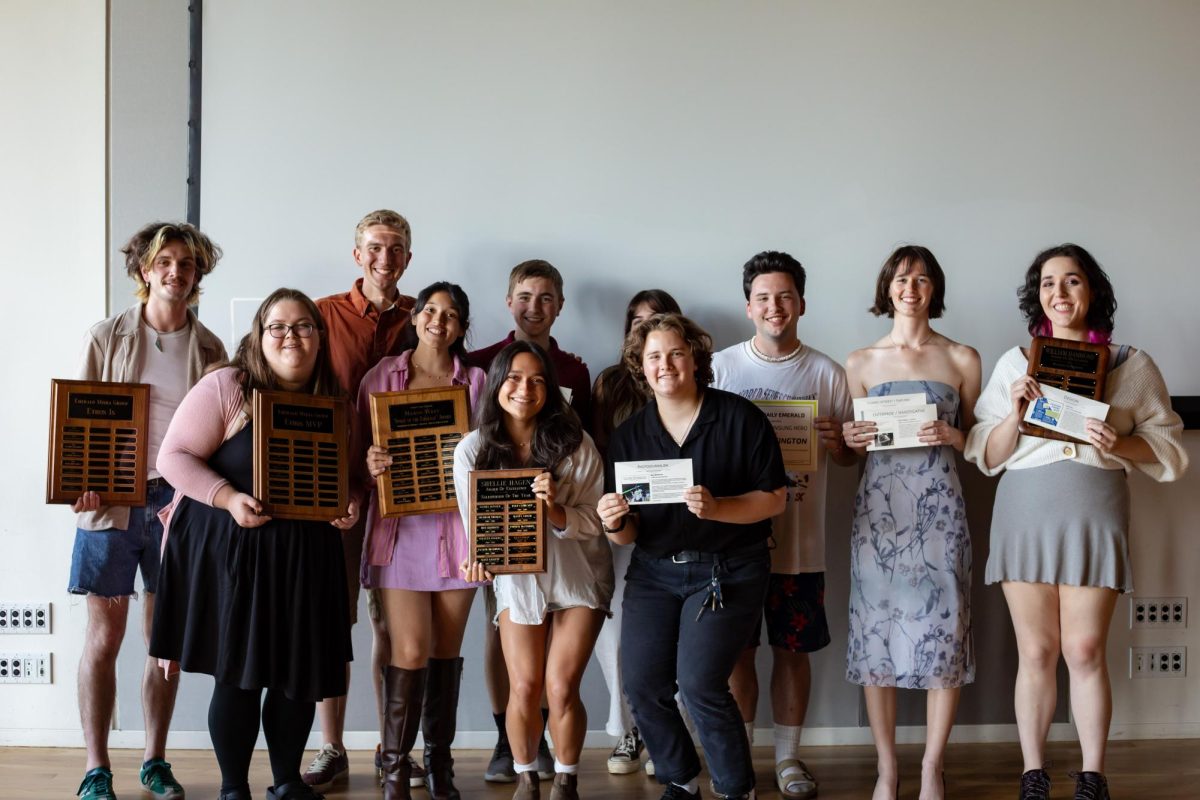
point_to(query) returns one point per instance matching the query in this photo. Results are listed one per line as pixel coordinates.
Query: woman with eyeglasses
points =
(241, 595)
(413, 561)
(548, 621)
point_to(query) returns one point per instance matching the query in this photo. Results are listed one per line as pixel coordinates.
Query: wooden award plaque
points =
(419, 428)
(508, 524)
(98, 442)
(301, 455)
(1077, 367)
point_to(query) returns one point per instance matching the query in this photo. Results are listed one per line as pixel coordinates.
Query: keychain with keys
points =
(714, 599)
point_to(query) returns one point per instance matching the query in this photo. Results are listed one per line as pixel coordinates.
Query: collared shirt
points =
(572, 373)
(392, 375)
(360, 335)
(733, 450)
(113, 352)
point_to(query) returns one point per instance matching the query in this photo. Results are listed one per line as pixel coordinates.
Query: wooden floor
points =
(1162, 770)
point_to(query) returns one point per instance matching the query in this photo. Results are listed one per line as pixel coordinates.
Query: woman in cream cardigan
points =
(1060, 527)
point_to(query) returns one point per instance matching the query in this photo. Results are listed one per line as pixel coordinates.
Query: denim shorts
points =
(104, 562)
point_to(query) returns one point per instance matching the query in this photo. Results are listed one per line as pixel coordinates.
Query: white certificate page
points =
(898, 417)
(1064, 412)
(646, 482)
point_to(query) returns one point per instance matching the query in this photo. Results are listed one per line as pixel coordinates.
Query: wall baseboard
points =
(484, 740)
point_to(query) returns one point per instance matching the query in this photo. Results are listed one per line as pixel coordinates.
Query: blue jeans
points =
(105, 562)
(664, 646)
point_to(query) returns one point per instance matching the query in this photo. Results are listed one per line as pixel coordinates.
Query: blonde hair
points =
(144, 246)
(386, 218)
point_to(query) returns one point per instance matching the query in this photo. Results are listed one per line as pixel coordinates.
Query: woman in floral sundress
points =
(910, 552)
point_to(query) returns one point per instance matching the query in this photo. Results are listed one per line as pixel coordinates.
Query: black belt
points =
(155, 483)
(702, 557)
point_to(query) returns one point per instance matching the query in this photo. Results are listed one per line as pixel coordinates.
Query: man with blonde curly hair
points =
(158, 340)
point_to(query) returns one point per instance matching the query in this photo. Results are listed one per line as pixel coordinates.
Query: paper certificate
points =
(793, 423)
(1064, 412)
(899, 418)
(646, 482)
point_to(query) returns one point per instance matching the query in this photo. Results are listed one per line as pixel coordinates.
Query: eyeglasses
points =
(279, 330)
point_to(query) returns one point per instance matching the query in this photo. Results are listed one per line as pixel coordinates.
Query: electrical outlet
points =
(1158, 612)
(24, 618)
(26, 668)
(1158, 662)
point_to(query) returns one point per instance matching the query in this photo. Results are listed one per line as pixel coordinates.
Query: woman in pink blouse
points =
(413, 561)
(241, 595)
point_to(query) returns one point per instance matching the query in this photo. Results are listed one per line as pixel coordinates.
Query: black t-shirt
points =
(733, 450)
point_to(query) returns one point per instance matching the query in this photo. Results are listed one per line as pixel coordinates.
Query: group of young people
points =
(671, 597)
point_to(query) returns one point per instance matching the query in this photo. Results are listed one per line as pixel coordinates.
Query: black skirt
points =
(258, 607)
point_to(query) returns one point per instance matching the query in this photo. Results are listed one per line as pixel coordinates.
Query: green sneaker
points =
(158, 781)
(97, 785)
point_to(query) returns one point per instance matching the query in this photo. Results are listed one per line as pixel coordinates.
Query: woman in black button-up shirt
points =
(696, 582)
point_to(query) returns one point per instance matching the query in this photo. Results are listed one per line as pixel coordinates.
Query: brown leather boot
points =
(527, 787)
(403, 690)
(439, 718)
(565, 787)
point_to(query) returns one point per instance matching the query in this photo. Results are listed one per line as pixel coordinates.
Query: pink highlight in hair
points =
(1093, 337)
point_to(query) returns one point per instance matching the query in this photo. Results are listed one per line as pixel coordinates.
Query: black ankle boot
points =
(1035, 785)
(439, 721)
(1090, 786)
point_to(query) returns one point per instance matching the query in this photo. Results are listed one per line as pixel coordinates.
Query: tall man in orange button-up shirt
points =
(364, 325)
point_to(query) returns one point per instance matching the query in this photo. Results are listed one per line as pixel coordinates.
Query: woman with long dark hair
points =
(240, 593)
(548, 621)
(698, 576)
(1060, 527)
(413, 561)
(616, 395)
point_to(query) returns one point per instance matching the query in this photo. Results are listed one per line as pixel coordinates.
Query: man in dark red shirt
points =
(535, 298)
(364, 325)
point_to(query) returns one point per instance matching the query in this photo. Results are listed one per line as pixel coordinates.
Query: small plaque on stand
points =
(419, 428)
(98, 442)
(508, 523)
(301, 449)
(1077, 367)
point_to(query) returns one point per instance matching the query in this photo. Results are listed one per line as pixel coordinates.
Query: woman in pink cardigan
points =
(255, 602)
(413, 560)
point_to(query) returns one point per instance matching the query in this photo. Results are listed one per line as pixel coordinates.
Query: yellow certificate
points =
(793, 421)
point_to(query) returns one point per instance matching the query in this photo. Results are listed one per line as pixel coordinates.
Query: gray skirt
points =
(1062, 523)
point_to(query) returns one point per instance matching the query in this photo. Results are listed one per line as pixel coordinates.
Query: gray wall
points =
(663, 144)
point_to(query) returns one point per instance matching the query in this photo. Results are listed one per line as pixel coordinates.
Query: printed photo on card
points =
(898, 417)
(647, 482)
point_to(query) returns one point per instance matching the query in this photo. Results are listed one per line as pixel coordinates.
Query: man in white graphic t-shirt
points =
(775, 365)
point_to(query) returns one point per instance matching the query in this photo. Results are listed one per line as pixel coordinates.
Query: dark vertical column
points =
(195, 50)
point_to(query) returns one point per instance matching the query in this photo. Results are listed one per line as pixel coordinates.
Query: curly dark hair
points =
(558, 432)
(698, 341)
(910, 254)
(253, 370)
(1102, 310)
(772, 261)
